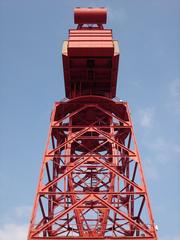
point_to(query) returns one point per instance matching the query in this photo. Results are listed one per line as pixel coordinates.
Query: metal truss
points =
(91, 184)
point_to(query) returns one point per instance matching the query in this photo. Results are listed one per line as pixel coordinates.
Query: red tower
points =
(91, 183)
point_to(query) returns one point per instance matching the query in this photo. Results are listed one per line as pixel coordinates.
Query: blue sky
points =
(31, 78)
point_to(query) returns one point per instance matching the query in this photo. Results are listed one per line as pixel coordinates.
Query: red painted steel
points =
(91, 183)
(90, 59)
(90, 15)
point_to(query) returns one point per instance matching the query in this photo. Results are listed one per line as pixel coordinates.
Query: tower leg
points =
(91, 184)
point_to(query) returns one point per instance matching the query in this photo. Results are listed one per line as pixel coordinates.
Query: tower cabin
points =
(90, 56)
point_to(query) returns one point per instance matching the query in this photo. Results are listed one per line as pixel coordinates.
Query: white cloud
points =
(161, 146)
(175, 88)
(13, 231)
(15, 224)
(159, 155)
(158, 144)
(174, 106)
(177, 148)
(146, 117)
(23, 211)
(150, 169)
(177, 238)
(174, 99)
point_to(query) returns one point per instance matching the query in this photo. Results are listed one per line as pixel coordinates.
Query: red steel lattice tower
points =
(91, 183)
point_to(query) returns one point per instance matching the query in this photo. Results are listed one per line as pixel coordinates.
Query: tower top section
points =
(90, 56)
(89, 15)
